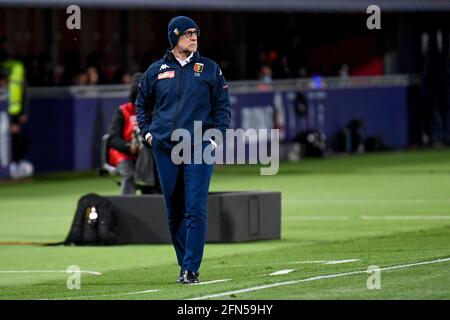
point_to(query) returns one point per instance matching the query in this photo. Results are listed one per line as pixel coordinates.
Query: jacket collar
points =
(168, 56)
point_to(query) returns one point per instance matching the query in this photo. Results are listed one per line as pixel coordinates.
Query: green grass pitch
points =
(390, 209)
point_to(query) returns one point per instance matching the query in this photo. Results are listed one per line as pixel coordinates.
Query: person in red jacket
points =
(123, 143)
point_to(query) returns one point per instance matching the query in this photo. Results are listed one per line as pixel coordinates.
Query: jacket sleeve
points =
(115, 132)
(221, 103)
(145, 102)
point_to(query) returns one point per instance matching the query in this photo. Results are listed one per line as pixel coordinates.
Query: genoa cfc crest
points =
(198, 67)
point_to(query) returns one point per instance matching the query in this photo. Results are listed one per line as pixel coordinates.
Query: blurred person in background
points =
(124, 147)
(265, 78)
(92, 76)
(96, 69)
(125, 79)
(13, 72)
(81, 79)
(344, 71)
(120, 76)
(265, 74)
(435, 83)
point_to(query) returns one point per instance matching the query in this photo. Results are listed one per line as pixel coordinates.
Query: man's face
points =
(186, 43)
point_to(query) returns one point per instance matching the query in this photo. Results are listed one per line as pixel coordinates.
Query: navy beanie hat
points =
(177, 26)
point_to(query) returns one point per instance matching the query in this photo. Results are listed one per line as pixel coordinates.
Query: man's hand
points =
(150, 139)
(134, 149)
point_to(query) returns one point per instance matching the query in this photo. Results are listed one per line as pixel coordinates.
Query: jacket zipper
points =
(180, 83)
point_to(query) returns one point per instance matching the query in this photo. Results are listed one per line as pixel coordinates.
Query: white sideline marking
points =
(209, 282)
(405, 217)
(50, 271)
(316, 278)
(314, 218)
(108, 295)
(365, 201)
(285, 263)
(308, 261)
(276, 273)
(341, 261)
(366, 217)
(325, 261)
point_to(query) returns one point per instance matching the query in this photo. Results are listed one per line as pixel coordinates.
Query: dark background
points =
(293, 44)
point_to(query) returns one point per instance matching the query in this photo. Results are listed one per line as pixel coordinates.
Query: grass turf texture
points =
(328, 210)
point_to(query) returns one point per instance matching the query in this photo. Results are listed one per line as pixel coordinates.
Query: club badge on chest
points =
(198, 68)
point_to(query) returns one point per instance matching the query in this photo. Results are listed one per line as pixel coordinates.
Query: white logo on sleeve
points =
(164, 66)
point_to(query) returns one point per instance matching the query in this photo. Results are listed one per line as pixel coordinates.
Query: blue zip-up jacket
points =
(171, 96)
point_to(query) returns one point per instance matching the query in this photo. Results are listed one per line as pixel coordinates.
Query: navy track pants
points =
(185, 189)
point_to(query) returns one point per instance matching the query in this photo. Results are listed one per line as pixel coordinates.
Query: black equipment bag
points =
(147, 179)
(145, 167)
(314, 143)
(94, 222)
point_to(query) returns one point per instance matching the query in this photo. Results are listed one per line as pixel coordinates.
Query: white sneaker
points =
(14, 170)
(26, 169)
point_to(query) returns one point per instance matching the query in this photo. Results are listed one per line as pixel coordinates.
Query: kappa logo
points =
(163, 67)
(166, 75)
(198, 67)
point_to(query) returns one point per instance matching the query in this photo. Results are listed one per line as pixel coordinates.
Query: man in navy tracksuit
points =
(175, 91)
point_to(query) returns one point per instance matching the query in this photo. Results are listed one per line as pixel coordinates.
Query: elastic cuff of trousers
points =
(190, 269)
